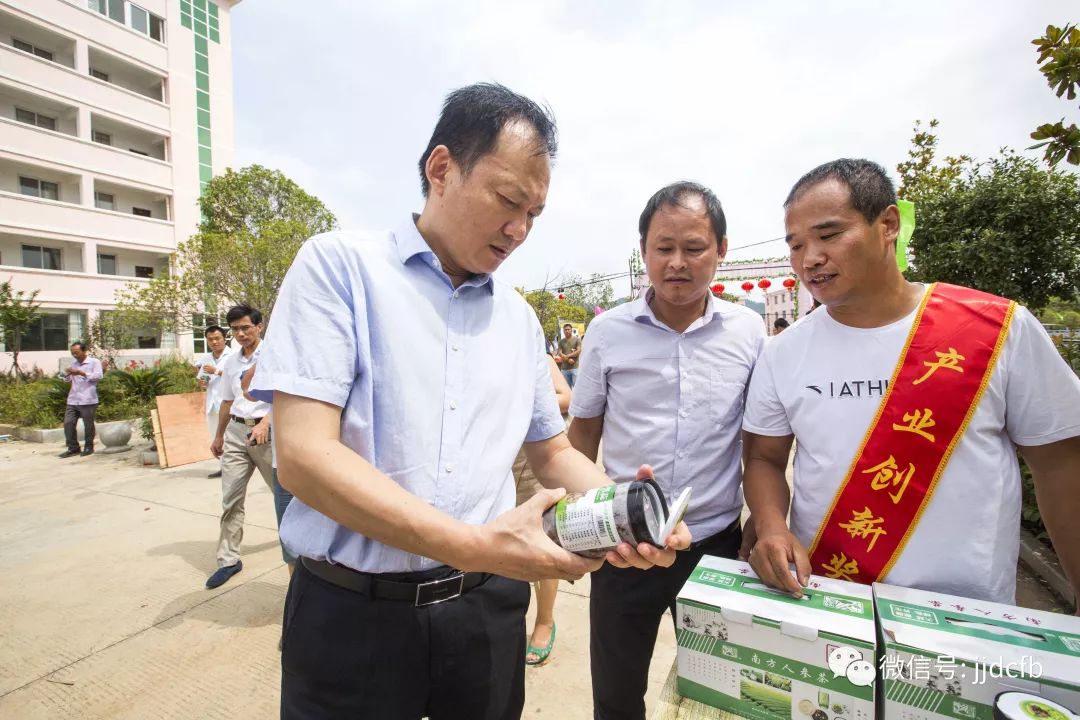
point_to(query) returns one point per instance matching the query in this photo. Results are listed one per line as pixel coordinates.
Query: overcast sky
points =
(342, 95)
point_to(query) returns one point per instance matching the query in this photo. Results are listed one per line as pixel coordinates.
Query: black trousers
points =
(346, 655)
(625, 607)
(71, 417)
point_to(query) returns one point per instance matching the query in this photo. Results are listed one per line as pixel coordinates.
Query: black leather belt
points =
(250, 422)
(419, 593)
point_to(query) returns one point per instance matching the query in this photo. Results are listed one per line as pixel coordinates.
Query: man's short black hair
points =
(472, 118)
(567, 325)
(780, 323)
(674, 195)
(215, 328)
(871, 189)
(239, 312)
(79, 344)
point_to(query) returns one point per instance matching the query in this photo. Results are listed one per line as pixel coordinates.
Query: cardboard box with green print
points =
(946, 657)
(764, 655)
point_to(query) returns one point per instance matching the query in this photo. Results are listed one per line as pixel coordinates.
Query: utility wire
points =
(618, 276)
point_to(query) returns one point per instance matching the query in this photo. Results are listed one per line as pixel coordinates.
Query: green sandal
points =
(541, 654)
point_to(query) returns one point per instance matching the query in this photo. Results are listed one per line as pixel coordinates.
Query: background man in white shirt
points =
(209, 377)
(662, 380)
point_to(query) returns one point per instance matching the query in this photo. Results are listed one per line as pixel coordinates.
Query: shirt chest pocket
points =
(727, 391)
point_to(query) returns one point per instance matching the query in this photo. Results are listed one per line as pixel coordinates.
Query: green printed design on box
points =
(934, 701)
(604, 494)
(963, 624)
(760, 660)
(814, 599)
(752, 703)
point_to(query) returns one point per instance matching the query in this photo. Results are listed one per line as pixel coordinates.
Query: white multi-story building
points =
(113, 116)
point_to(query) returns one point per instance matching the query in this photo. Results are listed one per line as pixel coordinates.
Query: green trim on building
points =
(201, 17)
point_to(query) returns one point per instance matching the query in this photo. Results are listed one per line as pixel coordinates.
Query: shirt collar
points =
(643, 312)
(410, 244)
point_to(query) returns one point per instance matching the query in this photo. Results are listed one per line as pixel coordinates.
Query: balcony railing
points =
(103, 161)
(21, 214)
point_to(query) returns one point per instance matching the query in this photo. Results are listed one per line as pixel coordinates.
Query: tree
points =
(254, 222)
(18, 311)
(1005, 225)
(1059, 57)
(588, 294)
(919, 175)
(550, 310)
(110, 332)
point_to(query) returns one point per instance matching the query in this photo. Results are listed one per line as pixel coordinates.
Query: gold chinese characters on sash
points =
(942, 373)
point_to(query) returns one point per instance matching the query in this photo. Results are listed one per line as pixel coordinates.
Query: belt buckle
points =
(251, 422)
(437, 591)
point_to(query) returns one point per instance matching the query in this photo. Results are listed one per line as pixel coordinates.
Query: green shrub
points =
(31, 403)
(122, 394)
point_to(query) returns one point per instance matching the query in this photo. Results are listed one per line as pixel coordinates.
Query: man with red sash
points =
(909, 403)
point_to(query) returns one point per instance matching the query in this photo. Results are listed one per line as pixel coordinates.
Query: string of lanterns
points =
(748, 286)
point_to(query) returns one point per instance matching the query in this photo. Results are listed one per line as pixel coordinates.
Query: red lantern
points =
(718, 289)
(561, 296)
(764, 283)
(789, 283)
(747, 287)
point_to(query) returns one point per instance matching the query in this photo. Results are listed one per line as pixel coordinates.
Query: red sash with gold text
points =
(943, 370)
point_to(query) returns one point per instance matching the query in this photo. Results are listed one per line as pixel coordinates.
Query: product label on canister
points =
(587, 522)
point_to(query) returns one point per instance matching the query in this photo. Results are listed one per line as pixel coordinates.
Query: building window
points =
(106, 264)
(99, 75)
(48, 332)
(103, 138)
(144, 271)
(39, 188)
(33, 118)
(141, 212)
(40, 258)
(27, 47)
(104, 201)
(135, 17)
(147, 342)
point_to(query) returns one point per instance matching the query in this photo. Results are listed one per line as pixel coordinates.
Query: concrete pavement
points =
(103, 612)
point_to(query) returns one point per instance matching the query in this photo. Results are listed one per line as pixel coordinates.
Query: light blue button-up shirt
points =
(673, 400)
(439, 386)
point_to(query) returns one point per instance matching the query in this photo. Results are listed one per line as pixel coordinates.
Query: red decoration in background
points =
(764, 283)
(561, 296)
(789, 283)
(718, 288)
(747, 286)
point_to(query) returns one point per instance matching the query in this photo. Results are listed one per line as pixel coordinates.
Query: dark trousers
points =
(346, 655)
(625, 607)
(71, 417)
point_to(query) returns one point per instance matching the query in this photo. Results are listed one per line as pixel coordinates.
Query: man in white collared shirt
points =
(242, 440)
(398, 439)
(210, 366)
(662, 379)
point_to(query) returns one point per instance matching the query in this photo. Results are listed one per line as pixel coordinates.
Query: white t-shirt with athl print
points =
(823, 382)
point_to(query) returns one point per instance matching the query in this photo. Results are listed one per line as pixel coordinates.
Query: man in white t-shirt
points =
(823, 380)
(663, 378)
(209, 376)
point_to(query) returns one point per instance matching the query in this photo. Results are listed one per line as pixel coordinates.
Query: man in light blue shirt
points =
(405, 380)
(663, 378)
